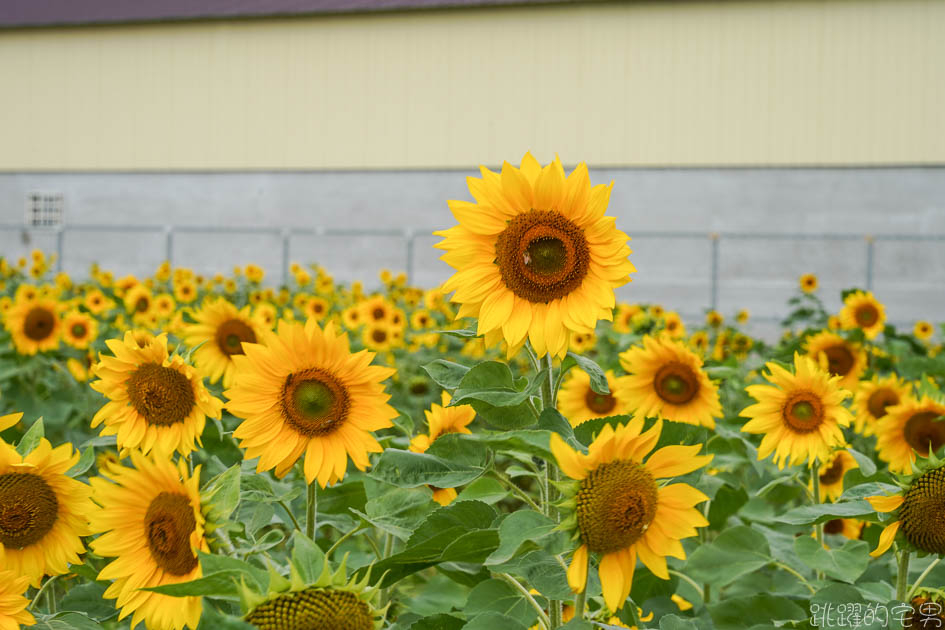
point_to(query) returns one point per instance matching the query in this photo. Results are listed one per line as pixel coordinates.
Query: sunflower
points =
(619, 509)
(862, 310)
(579, 403)
(742, 316)
(831, 475)
(164, 305)
(150, 521)
(156, 401)
(440, 421)
(873, 399)
(96, 302)
(185, 291)
(808, 283)
(138, 300)
(34, 325)
(667, 381)
(800, 414)
(913, 426)
(79, 330)
(42, 511)
(351, 317)
(218, 334)
(923, 330)
(673, 325)
(714, 319)
(376, 310)
(265, 315)
(583, 342)
(848, 527)
(316, 308)
(624, 317)
(838, 356)
(535, 256)
(304, 392)
(918, 513)
(377, 336)
(699, 341)
(13, 603)
(255, 273)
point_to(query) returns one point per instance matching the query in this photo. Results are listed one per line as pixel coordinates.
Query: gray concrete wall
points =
(773, 225)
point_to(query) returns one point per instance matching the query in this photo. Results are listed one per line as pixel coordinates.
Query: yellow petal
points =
(577, 572)
(671, 461)
(886, 539)
(568, 460)
(886, 504)
(611, 580)
(9, 420)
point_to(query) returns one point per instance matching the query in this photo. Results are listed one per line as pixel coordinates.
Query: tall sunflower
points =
(150, 521)
(808, 283)
(34, 325)
(620, 512)
(909, 428)
(156, 401)
(862, 310)
(579, 403)
(219, 330)
(13, 603)
(838, 356)
(535, 256)
(79, 330)
(800, 414)
(667, 381)
(304, 392)
(874, 398)
(42, 511)
(918, 511)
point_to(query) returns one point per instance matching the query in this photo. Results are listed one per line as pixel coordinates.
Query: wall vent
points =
(44, 210)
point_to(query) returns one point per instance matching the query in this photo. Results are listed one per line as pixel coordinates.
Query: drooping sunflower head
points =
(219, 331)
(620, 511)
(873, 398)
(304, 392)
(34, 325)
(800, 414)
(442, 420)
(578, 402)
(79, 330)
(156, 401)
(862, 310)
(913, 427)
(838, 356)
(667, 381)
(808, 283)
(535, 256)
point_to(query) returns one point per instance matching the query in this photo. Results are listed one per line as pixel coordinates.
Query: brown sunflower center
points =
(378, 313)
(834, 526)
(313, 609)
(803, 412)
(231, 334)
(79, 330)
(162, 395)
(676, 383)
(599, 403)
(318, 308)
(378, 335)
(168, 524)
(314, 402)
(833, 474)
(839, 360)
(921, 512)
(28, 509)
(39, 323)
(924, 430)
(866, 315)
(142, 304)
(419, 387)
(542, 256)
(879, 400)
(615, 505)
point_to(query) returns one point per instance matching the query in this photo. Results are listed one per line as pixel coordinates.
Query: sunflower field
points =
(513, 450)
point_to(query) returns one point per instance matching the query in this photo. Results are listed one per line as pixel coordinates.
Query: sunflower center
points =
(833, 526)
(378, 313)
(314, 402)
(378, 335)
(879, 400)
(141, 305)
(313, 609)
(866, 315)
(168, 525)
(676, 383)
(39, 323)
(921, 512)
(161, 394)
(803, 412)
(28, 509)
(923, 430)
(615, 505)
(599, 403)
(833, 474)
(542, 256)
(78, 330)
(839, 360)
(231, 334)
(419, 387)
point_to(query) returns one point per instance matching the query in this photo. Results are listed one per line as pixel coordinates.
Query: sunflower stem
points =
(521, 494)
(345, 537)
(921, 578)
(311, 511)
(551, 474)
(902, 579)
(818, 527)
(42, 591)
(542, 616)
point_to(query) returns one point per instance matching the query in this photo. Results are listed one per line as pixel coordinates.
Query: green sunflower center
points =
(39, 323)
(803, 412)
(313, 609)
(314, 402)
(162, 395)
(921, 512)
(28, 509)
(924, 431)
(79, 330)
(168, 524)
(615, 505)
(231, 334)
(879, 400)
(542, 256)
(676, 383)
(599, 403)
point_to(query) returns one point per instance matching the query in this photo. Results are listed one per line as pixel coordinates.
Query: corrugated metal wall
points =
(697, 83)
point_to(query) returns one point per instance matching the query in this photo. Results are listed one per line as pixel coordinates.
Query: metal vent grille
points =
(44, 209)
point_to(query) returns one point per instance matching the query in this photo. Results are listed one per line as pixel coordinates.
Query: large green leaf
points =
(809, 514)
(31, 438)
(594, 371)
(737, 613)
(499, 597)
(406, 469)
(518, 528)
(846, 563)
(446, 374)
(734, 553)
(493, 620)
(398, 511)
(490, 389)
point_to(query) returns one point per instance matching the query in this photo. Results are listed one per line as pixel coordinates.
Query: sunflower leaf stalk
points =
(902, 578)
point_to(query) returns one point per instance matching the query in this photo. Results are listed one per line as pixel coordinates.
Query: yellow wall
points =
(654, 83)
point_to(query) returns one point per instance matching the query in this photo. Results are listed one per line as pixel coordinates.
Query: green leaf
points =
(495, 386)
(588, 430)
(809, 514)
(307, 557)
(675, 622)
(85, 462)
(552, 420)
(736, 552)
(870, 489)
(89, 598)
(223, 492)
(222, 584)
(499, 597)
(492, 620)
(212, 619)
(398, 511)
(528, 441)
(484, 489)
(406, 469)
(517, 528)
(578, 624)
(446, 374)
(216, 563)
(31, 438)
(542, 571)
(726, 502)
(438, 622)
(65, 621)
(461, 333)
(846, 563)
(598, 378)
(733, 612)
(867, 465)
